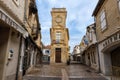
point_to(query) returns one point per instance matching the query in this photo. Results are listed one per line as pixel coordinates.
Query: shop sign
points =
(112, 39)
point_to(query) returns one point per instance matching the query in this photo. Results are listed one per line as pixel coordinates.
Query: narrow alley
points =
(60, 40)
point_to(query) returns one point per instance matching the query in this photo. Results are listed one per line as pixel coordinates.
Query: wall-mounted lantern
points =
(10, 54)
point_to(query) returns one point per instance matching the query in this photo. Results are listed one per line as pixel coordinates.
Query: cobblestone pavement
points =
(58, 72)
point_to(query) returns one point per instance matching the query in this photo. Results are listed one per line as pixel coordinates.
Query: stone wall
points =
(112, 19)
(13, 44)
(15, 10)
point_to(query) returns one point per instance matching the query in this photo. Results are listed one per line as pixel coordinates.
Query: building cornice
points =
(107, 37)
(12, 23)
(59, 10)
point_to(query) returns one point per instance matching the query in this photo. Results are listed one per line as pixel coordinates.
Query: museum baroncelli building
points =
(59, 36)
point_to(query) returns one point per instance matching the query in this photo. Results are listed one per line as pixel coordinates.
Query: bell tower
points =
(59, 17)
(59, 36)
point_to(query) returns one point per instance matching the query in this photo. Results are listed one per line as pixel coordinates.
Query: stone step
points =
(59, 78)
(87, 79)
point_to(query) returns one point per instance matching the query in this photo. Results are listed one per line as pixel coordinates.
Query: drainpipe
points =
(99, 70)
(18, 61)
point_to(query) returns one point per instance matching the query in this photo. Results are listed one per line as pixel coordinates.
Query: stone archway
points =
(115, 59)
(110, 57)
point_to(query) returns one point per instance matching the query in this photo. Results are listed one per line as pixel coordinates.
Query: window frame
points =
(58, 37)
(17, 2)
(118, 5)
(103, 21)
(90, 34)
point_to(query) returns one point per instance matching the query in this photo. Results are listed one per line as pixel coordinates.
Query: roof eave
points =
(98, 6)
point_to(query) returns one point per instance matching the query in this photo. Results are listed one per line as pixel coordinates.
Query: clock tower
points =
(59, 36)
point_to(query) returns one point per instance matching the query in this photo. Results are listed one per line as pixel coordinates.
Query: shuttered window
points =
(58, 37)
(103, 20)
(119, 4)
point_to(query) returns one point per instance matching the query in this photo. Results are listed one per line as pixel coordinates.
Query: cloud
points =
(78, 17)
(46, 25)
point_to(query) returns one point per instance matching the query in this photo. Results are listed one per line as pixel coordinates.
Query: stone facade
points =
(76, 53)
(13, 10)
(90, 52)
(76, 49)
(108, 36)
(11, 21)
(33, 44)
(59, 36)
(17, 40)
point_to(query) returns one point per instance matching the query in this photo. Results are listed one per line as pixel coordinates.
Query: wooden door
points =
(58, 55)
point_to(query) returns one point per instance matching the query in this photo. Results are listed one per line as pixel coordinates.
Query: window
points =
(119, 4)
(58, 37)
(103, 20)
(90, 34)
(16, 2)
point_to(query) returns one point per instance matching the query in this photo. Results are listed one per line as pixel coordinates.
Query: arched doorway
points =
(115, 60)
(110, 59)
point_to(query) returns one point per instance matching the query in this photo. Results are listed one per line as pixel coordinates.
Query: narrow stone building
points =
(20, 43)
(107, 18)
(89, 48)
(33, 44)
(59, 36)
(76, 53)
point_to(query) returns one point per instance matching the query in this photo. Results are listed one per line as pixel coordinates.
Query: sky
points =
(79, 16)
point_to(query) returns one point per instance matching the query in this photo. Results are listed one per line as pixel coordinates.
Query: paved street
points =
(63, 72)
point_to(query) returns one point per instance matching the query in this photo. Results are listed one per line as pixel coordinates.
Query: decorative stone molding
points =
(4, 17)
(115, 37)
